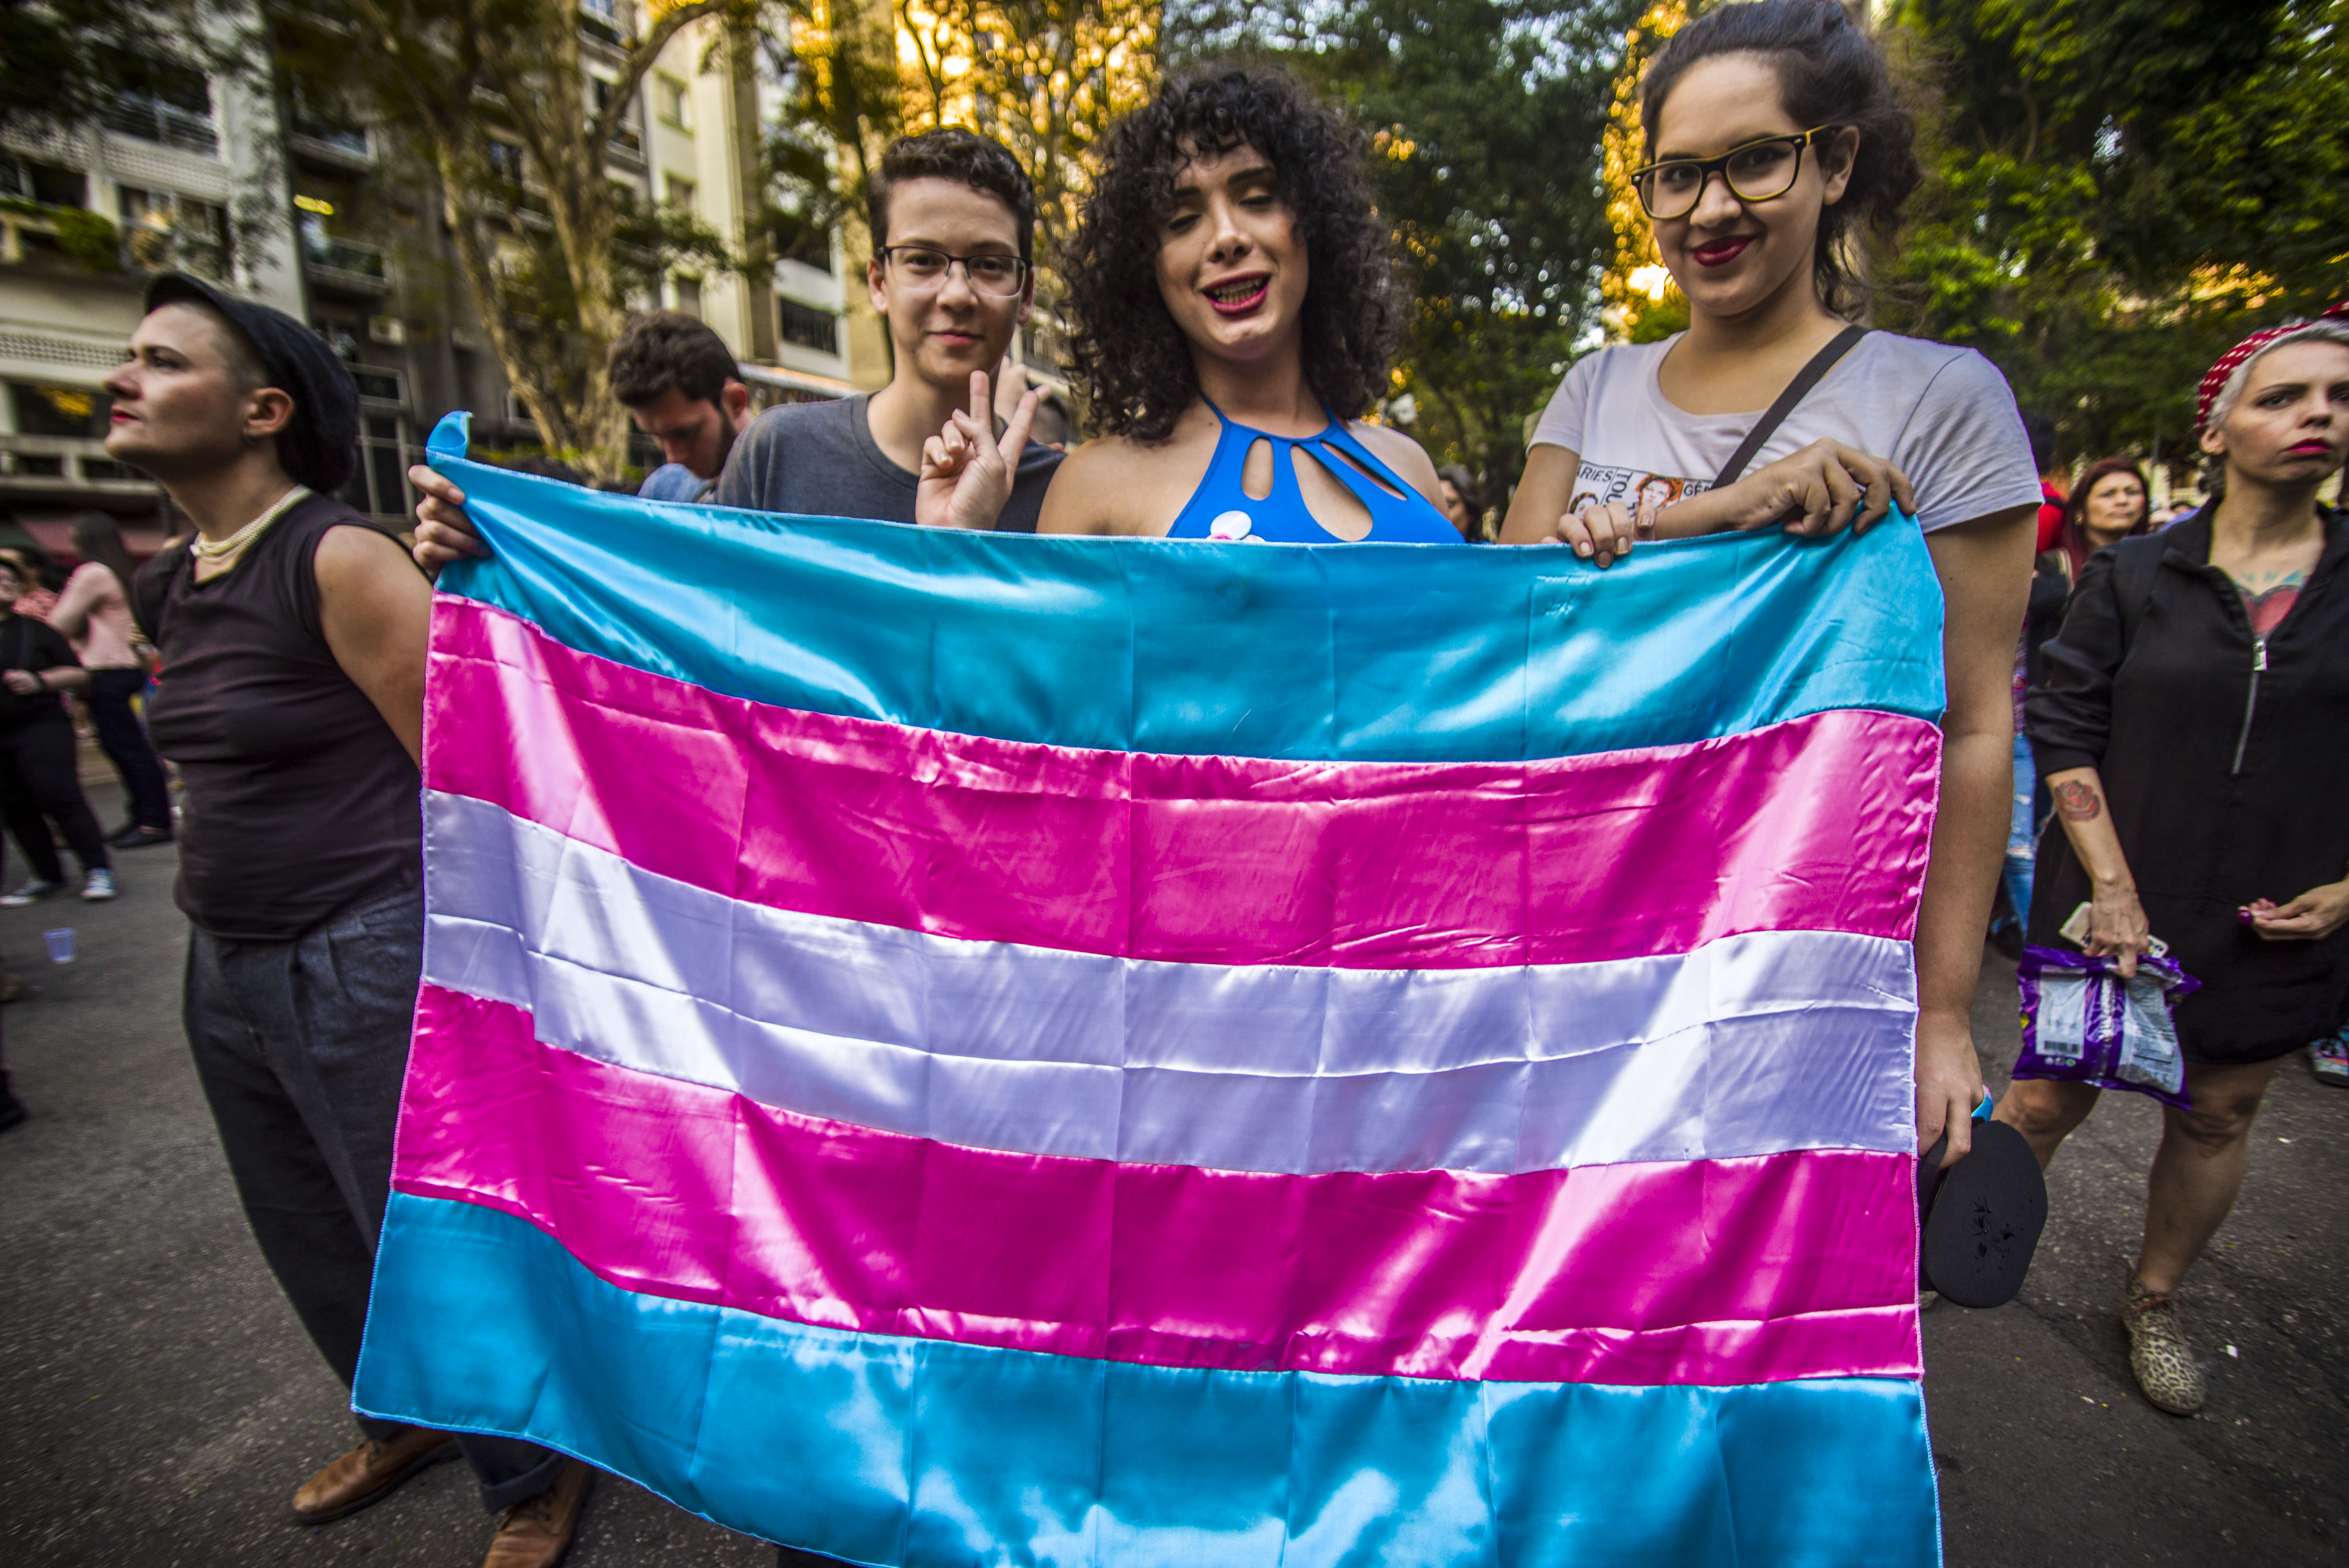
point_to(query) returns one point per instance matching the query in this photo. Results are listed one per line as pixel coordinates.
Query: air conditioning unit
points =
(388, 329)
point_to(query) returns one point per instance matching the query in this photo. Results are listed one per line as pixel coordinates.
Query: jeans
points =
(124, 740)
(301, 1047)
(2021, 833)
(38, 786)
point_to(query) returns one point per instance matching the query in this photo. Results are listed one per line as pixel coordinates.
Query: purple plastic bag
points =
(2083, 1023)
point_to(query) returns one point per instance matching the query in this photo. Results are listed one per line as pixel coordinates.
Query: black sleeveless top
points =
(300, 801)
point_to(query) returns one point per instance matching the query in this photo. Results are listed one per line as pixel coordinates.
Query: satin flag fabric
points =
(946, 1049)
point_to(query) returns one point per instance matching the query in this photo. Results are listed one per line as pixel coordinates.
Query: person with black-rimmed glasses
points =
(951, 273)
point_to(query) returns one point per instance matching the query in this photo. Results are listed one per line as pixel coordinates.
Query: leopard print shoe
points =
(2158, 1354)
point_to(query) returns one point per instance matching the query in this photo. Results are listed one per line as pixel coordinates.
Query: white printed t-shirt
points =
(1943, 416)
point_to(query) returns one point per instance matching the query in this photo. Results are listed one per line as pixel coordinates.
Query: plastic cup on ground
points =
(60, 945)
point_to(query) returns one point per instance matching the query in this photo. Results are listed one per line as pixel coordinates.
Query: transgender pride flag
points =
(947, 1049)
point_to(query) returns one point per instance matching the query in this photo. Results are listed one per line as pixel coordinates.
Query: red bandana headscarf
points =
(2214, 381)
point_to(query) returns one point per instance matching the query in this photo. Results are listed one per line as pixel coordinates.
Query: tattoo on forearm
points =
(2077, 801)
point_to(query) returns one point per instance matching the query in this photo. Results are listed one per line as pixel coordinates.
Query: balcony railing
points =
(341, 138)
(67, 462)
(338, 145)
(322, 251)
(150, 120)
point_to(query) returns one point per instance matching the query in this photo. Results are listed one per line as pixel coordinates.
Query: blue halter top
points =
(1220, 509)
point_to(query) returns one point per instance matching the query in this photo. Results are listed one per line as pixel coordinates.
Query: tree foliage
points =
(1485, 119)
(1640, 302)
(1045, 77)
(2121, 188)
(494, 96)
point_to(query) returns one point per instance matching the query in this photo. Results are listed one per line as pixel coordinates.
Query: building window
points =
(688, 296)
(44, 411)
(806, 243)
(807, 327)
(679, 192)
(624, 135)
(164, 229)
(326, 126)
(673, 102)
(174, 105)
(45, 183)
(505, 160)
(323, 249)
(380, 484)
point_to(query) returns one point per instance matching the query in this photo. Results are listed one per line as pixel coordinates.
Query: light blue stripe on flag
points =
(1356, 652)
(897, 1451)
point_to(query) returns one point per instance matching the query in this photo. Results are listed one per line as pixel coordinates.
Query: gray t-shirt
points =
(1944, 415)
(819, 460)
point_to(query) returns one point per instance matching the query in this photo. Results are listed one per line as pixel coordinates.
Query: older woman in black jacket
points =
(2194, 730)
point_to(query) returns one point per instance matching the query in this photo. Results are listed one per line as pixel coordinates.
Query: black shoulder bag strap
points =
(1810, 375)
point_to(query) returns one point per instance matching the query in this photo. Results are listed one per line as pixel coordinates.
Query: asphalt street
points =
(158, 1402)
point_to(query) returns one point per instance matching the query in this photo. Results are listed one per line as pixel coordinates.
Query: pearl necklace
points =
(223, 552)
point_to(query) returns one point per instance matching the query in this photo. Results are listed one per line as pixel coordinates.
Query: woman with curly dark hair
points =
(1237, 308)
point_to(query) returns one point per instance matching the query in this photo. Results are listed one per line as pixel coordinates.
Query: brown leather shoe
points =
(536, 1532)
(369, 1473)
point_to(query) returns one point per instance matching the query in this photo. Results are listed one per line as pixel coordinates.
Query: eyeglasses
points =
(1759, 170)
(921, 269)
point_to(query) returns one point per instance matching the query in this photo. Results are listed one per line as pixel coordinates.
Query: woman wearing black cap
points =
(292, 633)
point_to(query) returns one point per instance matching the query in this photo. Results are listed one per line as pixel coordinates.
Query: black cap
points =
(1980, 1219)
(319, 445)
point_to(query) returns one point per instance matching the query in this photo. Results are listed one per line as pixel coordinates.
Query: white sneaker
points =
(32, 892)
(98, 886)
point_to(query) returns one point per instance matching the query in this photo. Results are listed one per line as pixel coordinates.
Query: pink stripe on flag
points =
(1820, 823)
(1712, 1272)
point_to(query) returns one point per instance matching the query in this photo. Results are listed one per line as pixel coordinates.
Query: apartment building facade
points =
(236, 178)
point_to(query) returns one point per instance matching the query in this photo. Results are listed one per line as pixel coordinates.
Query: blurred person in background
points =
(38, 781)
(679, 382)
(293, 634)
(2194, 728)
(1464, 501)
(2109, 503)
(37, 571)
(94, 614)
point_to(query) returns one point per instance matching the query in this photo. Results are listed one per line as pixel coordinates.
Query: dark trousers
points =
(124, 740)
(301, 1047)
(37, 781)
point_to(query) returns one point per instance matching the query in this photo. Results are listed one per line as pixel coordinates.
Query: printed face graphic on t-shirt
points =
(1596, 483)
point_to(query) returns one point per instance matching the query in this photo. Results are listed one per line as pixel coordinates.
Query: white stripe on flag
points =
(1751, 1044)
